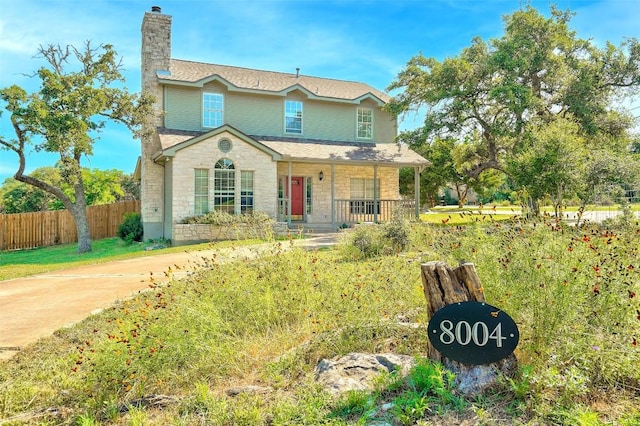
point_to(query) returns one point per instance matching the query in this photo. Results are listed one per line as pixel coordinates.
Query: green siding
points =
(255, 114)
(263, 115)
(182, 106)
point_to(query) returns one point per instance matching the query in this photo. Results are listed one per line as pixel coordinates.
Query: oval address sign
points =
(473, 333)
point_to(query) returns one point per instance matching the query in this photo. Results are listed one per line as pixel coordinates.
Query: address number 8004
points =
(463, 333)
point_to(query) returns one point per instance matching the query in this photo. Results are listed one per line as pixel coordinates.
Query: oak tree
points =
(495, 96)
(66, 115)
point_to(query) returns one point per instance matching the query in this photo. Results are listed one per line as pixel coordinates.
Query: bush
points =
(397, 232)
(221, 218)
(364, 242)
(130, 229)
(246, 225)
(367, 241)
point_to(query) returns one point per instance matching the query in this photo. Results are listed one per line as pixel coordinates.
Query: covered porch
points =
(326, 186)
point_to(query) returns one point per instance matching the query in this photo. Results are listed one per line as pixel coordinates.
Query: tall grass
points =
(573, 292)
(268, 321)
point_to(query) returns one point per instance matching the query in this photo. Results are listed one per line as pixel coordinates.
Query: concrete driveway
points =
(36, 306)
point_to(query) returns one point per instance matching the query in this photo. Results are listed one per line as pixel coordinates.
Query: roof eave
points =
(420, 164)
(171, 151)
(281, 93)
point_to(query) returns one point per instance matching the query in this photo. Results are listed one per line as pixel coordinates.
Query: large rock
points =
(474, 380)
(356, 371)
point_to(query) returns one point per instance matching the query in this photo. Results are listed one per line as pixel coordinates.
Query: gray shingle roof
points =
(238, 78)
(346, 152)
(389, 154)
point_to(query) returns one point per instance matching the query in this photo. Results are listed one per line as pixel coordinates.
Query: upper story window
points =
(212, 109)
(365, 123)
(293, 117)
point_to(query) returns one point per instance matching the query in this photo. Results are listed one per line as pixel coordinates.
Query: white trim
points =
(370, 110)
(301, 117)
(204, 126)
(282, 93)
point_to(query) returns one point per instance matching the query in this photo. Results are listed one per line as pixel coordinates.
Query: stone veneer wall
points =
(190, 233)
(156, 56)
(388, 176)
(204, 155)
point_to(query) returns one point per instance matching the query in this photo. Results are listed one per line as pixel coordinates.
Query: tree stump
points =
(443, 286)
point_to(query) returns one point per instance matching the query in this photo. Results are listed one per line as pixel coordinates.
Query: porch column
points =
(416, 185)
(375, 193)
(288, 203)
(333, 198)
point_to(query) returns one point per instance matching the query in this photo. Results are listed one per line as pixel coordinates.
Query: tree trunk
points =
(443, 286)
(79, 214)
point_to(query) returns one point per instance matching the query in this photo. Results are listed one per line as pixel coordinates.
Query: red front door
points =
(297, 197)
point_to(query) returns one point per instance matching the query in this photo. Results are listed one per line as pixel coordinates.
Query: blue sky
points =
(361, 40)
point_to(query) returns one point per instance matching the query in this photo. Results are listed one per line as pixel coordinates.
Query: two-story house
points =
(308, 151)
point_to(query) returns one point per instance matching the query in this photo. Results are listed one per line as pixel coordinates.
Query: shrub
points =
(364, 242)
(246, 225)
(130, 229)
(397, 232)
(221, 218)
(367, 241)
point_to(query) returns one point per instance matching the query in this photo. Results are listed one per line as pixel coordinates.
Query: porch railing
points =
(351, 211)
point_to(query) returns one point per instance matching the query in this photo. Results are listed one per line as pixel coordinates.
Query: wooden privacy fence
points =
(29, 230)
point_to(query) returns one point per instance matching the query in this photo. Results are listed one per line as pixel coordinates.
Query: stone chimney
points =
(156, 50)
(156, 58)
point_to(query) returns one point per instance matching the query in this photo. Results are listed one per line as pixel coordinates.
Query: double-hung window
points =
(201, 192)
(212, 110)
(224, 186)
(365, 123)
(293, 117)
(362, 196)
(246, 191)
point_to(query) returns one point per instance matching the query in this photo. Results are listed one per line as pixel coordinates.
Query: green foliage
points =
(371, 240)
(497, 98)
(438, 175)
(18, 197)
(364, 241)
(100, 187)
(428, 389)
(410, 407)
(248, 225)
(609, 173)
(221, 218)
(355, 405)
(131, 229)
(65, 115)
(551, 164)
(397, 231)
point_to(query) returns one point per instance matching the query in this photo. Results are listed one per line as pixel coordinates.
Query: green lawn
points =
(20, 263)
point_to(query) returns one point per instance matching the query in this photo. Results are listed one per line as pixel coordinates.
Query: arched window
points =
(224, 186)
